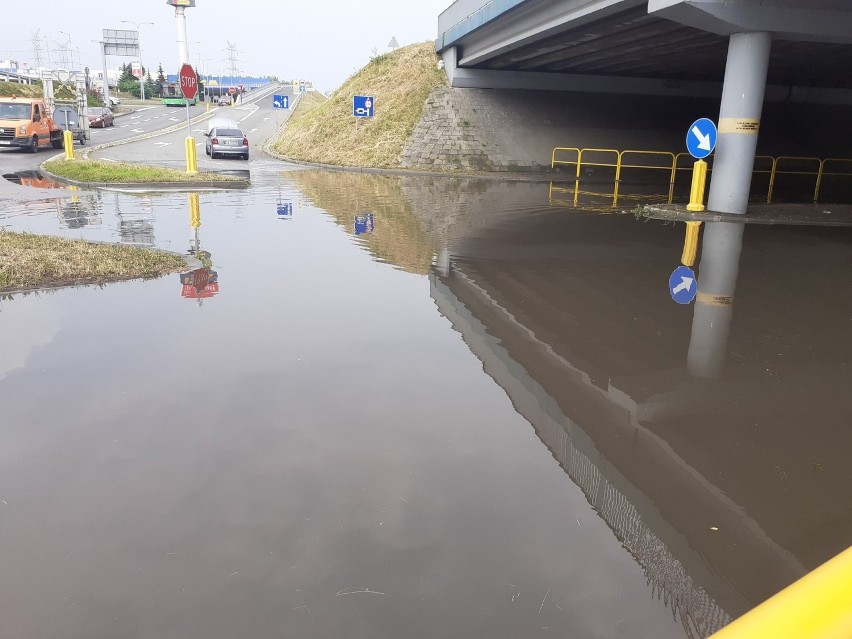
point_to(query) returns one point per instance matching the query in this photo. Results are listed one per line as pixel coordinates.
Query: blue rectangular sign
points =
(363, 106)
(280, 101)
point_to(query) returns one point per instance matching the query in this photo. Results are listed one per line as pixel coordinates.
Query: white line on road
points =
(123, 126)
(135, 117)
(265, 119)
(173, 120)
(162, 143)
(253, 130)
(137, 131)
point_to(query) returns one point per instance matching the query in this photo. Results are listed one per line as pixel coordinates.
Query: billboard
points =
(181, 3)
(121, 42)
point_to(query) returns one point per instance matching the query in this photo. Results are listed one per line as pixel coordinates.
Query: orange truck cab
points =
(25, 123)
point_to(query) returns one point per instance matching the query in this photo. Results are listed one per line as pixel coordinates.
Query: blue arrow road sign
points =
(363, 106)
(280, 101)
(683, 285)
(701, 138)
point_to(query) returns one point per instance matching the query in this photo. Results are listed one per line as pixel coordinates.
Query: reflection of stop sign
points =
(232, 90)
(188, 82)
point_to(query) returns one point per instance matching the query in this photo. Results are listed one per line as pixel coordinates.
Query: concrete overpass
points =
(625, 46)
(637, 45)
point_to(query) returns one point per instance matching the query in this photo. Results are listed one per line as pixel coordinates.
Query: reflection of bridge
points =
(657, 502)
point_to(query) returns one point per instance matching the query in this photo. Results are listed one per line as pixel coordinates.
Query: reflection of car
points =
(113, 101)
(66, 117)
(226, 141)
(224, 100)
(100, 116)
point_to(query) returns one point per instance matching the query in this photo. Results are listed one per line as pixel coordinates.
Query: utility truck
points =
(27, 124)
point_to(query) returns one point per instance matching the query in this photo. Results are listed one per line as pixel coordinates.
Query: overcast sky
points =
(323, 41)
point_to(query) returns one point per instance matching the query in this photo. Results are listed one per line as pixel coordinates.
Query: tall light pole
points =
(141, 66)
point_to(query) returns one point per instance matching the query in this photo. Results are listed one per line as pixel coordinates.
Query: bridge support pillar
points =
(739, 121)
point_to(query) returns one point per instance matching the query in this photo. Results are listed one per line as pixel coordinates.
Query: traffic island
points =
(788, 214)
(99, 174)
(29, 262)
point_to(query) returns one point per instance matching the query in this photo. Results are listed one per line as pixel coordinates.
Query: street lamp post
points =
(141, 66)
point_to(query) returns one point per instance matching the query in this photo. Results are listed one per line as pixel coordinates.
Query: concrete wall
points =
(505, 130)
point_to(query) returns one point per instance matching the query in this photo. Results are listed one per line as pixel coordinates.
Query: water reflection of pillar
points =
(194, 222)
(442, 262)
(714, 305)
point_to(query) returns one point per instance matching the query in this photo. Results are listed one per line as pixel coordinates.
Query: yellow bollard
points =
(191, 158)
(690, 243)
(194, 211)
(696, 194)
(68, 141)
(815, 607)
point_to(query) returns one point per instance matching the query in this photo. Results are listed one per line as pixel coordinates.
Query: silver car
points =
(226, 141)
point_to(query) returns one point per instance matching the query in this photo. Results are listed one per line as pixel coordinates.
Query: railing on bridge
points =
(649, 170)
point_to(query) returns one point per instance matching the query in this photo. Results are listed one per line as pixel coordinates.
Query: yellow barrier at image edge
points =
(817, 606)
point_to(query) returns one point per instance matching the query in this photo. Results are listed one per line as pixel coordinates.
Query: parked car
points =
(101, 117)
(226, 141)
(224, 100)
(113, 101)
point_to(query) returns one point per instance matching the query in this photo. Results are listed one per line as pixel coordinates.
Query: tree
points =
(126, 73)
(150, 86)
(161, 80)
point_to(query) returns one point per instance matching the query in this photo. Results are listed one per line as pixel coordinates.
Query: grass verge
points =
(38, 261)
(324, 132)
(124, 172)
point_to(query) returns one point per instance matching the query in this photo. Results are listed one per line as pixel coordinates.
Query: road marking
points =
(137, 131)
(135, 117)
(253, 130)
(199, 143)
(250, 114)
(123, 126)
(265, 119)
(162, 143)
(173, 120)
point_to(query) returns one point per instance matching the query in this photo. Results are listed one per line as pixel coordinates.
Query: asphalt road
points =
(257, 118)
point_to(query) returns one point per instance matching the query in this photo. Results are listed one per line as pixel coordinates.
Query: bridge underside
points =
(668, 45)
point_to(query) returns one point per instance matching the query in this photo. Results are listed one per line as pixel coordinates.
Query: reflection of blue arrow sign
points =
(683, 285)
(285, 210)
(280, 101)
(701, 138)
(363, 106)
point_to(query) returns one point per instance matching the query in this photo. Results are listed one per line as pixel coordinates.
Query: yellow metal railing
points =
(772, 168)
(817, 606)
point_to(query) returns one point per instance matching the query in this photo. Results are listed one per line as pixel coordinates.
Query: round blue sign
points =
(701, 138)
(683, 285)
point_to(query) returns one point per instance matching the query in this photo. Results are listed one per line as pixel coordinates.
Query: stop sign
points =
(188, 82)
(232, 90)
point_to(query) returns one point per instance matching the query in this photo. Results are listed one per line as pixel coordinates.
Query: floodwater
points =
(418, 407)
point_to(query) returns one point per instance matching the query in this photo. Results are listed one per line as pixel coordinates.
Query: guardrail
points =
(814, 172)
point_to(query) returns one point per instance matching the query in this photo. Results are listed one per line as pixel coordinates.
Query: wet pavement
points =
(418, 407)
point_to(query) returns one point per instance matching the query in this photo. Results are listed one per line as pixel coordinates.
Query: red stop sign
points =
(188, 82)
(232, 90)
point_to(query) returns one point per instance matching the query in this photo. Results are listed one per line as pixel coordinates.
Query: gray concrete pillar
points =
(739, 121)
(714, 304)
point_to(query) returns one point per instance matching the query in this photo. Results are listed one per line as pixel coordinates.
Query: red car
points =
(101, 117)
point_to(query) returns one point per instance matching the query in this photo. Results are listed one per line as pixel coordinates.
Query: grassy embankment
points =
(323, 131)
(124, 172)
(37, 261)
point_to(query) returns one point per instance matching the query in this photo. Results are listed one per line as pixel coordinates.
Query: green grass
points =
(37, 261)
(35, 90)
(123, 172)
(324, 131)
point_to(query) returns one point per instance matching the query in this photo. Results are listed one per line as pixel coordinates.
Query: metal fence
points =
(815, 176)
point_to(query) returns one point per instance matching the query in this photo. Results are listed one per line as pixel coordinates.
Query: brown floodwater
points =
(418, 407)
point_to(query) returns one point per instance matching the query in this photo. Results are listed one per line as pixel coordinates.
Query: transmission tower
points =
(232, 59)
(36, 40)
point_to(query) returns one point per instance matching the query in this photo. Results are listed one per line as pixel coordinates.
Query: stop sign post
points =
(189, 88)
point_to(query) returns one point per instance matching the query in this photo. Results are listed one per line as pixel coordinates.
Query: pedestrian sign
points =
(701, 138)
(363, 106)
(280, 101)
(364, 223)
(683, 285)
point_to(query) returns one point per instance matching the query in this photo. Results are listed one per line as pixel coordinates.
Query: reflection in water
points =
(714, 304)
(202, 282)
(33, 178)
(391, 232)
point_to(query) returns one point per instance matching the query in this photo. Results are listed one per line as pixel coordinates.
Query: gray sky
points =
(323, 41)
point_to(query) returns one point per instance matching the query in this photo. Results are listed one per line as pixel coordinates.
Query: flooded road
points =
(418, 407)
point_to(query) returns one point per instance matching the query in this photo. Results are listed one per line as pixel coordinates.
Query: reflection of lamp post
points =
(141, 66)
